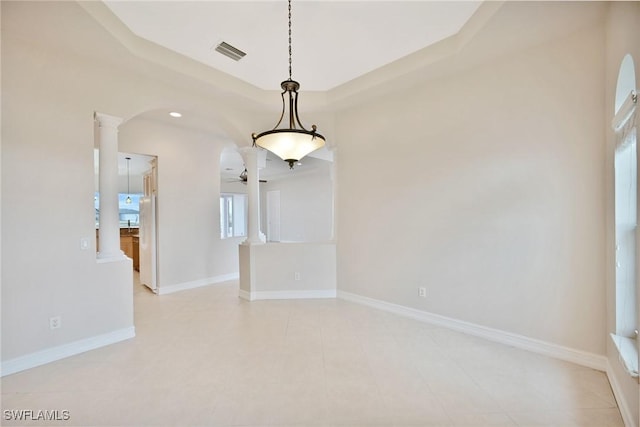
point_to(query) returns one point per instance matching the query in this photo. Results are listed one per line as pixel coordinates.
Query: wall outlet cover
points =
(55, 322)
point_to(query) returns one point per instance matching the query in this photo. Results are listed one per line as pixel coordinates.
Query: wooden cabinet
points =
(136, 253)
(126, 244)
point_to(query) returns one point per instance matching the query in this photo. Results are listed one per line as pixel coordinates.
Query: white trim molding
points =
(66, 350)
(163, 290)
(627, 416)
(583, 358)
(270, 295)
(628, 351)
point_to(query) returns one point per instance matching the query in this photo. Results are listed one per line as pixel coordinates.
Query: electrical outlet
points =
(296, 275)
(55, 322)
(84, 243)
(422, 291)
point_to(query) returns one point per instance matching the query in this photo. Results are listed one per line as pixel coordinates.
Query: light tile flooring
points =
(204, 357)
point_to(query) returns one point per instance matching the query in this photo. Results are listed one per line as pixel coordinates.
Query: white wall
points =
(232, 187)
(485, 187)
(47, 194)
(288, 270)
(622, 37)
(306, 205)
(189, 244)
(58, 67)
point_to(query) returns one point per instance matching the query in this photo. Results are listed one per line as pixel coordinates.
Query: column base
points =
(254, 241)
(111, 256)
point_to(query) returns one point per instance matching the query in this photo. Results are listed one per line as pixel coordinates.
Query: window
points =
(233, 215)
(625, 336)
(129, 212)
(626, 225)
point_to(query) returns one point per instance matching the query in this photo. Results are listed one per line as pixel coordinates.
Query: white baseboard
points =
(244, 295)
(270, 295)
(579, 357)
(163, 290)
(627, 416)
(66, 350)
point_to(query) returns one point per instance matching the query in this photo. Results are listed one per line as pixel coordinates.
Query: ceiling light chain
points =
(290, 62)
(292, 143)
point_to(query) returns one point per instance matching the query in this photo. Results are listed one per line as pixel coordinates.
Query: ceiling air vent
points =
(227, 50)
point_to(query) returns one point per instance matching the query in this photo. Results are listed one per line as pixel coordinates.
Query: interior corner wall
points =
(486, 188)
(189, 245)
(622, 37)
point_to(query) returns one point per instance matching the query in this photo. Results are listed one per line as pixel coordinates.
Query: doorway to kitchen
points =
(137, 213)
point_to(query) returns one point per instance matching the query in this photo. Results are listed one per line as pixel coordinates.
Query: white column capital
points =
(106, 120)
(254, 152)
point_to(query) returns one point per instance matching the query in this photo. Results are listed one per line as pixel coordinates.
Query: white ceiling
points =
(333, 41)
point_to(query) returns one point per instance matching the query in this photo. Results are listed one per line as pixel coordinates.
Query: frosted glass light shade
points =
(290, 144)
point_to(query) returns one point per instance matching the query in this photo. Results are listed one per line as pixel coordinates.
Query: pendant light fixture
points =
(128, 199)
(294, 142)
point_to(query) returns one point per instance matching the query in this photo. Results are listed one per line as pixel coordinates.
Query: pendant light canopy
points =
(294, 142)
(128, 199)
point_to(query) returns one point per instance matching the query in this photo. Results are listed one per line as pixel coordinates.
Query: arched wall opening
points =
(190, 251)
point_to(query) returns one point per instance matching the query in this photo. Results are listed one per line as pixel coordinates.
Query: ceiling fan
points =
(243, 177)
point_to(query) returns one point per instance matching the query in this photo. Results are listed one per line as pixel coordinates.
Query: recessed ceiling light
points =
(175, 114)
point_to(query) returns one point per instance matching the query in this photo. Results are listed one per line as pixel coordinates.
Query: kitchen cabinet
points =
(126, 244)
(136, 252)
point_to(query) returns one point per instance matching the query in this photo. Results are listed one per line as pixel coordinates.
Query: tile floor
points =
(204, 357)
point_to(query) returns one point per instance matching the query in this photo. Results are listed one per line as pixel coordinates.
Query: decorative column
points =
(109, 231)
(250, 156)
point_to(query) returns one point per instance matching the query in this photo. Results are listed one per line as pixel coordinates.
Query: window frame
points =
(233, 215)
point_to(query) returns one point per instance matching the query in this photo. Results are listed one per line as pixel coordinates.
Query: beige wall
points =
(485, 187)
